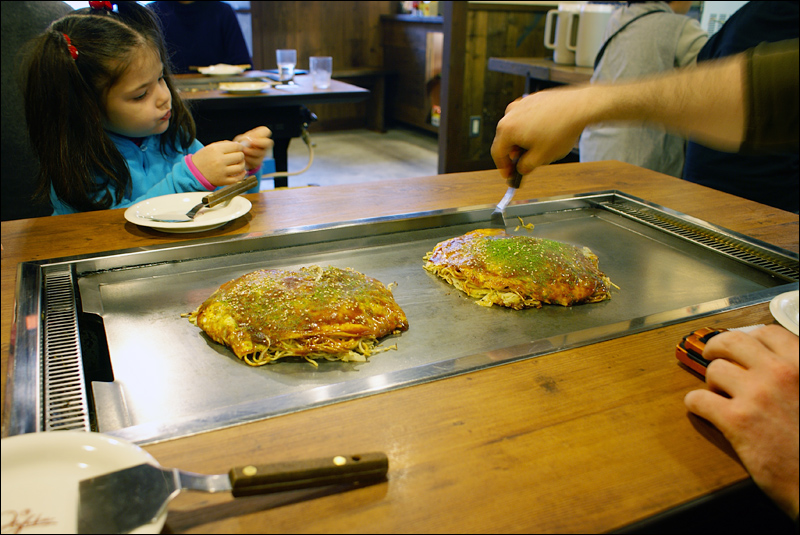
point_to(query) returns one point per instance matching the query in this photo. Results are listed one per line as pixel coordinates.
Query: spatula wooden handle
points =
(515, 180)
(292, 475)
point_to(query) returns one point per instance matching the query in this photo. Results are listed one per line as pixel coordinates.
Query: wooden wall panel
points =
(348, 31)
(405, 50)
(488, 31)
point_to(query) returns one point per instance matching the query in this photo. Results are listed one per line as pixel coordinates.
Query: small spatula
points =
(498, 216)
(122, 501)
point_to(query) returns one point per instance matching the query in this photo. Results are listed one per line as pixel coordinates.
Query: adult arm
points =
(709, 103)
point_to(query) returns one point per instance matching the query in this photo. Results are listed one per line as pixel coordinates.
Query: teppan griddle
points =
(101, 344)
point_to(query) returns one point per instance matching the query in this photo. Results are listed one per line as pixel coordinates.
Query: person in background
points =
(749, 101)
(643, 38)
(22, 21)
(199, 34)
(766, 178)
(107, 124)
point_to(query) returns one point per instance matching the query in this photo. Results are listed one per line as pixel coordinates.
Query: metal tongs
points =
(223, 194)
(498, 216)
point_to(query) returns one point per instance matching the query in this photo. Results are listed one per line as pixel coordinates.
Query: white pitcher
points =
(591, 29)
(567, 24)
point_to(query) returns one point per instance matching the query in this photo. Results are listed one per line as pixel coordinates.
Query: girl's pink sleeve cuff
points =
(197, 174)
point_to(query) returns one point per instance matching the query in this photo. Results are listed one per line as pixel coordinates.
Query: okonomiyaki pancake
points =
(519, 271)
(313, 313)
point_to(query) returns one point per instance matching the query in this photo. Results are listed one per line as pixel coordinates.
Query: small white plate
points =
(221, 69)
(41, 473)
(176, 205)
(786, 310)
(243, 88)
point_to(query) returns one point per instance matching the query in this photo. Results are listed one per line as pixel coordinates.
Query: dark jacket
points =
(769, 178)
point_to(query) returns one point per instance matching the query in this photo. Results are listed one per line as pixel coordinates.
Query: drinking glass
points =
(321, 69)
(287, 59)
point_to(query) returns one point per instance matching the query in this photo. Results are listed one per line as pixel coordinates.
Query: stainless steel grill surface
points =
(163, 378)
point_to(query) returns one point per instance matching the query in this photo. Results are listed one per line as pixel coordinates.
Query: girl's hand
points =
(256, 143)
(222, 163)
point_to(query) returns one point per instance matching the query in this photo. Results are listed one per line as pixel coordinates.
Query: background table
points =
(220, 115)
(585, 440)
(538, 70)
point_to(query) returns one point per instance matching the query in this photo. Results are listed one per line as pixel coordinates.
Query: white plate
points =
(176, 205)
(41, 473)
(243, 87)
(786, 310)
(221, 69)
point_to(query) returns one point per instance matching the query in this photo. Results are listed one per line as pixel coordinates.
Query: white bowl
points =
(786, 309)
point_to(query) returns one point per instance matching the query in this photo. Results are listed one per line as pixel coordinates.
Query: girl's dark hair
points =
(64, 102)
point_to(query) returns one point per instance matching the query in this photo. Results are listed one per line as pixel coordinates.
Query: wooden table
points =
(537, 70)
(584, 440)
(220, 115)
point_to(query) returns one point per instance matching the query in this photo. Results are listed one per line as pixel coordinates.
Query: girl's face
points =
(139, 104)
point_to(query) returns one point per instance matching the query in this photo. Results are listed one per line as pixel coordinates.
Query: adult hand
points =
(545, 125)
(256, 144)
(222, 163)
(752, 398)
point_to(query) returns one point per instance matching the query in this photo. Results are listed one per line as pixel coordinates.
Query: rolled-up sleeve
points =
(773, 98)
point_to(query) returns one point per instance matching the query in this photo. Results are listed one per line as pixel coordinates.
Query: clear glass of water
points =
(287, 59)
(321, 69)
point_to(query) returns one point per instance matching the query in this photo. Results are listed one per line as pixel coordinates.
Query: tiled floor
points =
(354, 156)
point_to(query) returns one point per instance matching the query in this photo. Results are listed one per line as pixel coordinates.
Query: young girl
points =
(107, 123)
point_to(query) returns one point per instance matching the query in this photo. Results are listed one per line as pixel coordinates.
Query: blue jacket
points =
(152, 174)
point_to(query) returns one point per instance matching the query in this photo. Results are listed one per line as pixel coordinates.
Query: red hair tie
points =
(102, 5)
(72, 50)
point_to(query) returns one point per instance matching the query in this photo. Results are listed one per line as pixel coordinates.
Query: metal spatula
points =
(124, 500)
(498, 216)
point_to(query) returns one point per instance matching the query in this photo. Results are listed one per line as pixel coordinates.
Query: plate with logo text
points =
(41, 474)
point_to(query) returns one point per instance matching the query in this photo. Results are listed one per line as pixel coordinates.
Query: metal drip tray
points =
(112, 353)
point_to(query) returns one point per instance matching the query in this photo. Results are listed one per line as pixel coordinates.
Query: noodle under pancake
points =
(313, 313)
(519, 271)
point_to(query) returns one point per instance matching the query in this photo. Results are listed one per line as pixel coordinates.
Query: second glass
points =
(287, 59)
(321, 68)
